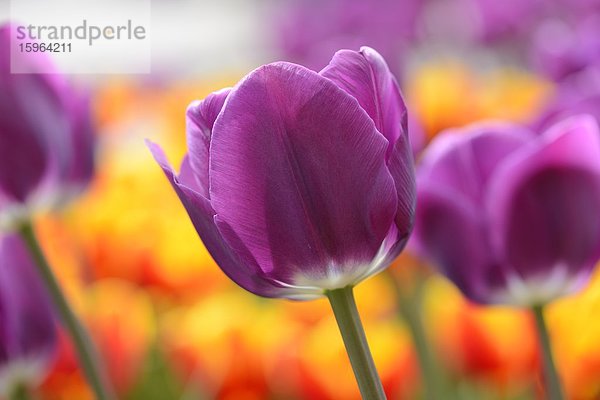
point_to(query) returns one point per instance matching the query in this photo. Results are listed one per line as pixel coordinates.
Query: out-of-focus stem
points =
(553, 386)
(432, 379)
(20, 392)
(410, 304)
(79, 337)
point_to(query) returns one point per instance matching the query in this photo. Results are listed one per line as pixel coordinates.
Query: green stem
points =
(353, 334)
(552, 380)
(79, 337)
(20, 392)
(411, 311)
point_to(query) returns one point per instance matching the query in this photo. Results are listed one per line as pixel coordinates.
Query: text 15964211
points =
(34, 47)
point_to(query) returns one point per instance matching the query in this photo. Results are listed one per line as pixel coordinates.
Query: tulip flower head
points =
(27, 331)
(46, 139)
(562, 49)
(511, 217)
(300, 182)
(310, 37)
(580, 94)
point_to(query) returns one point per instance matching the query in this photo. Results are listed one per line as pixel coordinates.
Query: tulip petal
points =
(401, 166)
(201, 116)
(187, 174)
(242, 271)
(297, 170)
(450, 232)
(27, 327)
(544, 205)
(81, 168)
(32, 121)
(463, 161)
(19, 175)
(365, 75)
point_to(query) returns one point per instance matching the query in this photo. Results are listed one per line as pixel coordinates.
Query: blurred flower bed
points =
(170, 325)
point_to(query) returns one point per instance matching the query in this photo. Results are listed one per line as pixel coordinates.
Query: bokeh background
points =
(170, 325)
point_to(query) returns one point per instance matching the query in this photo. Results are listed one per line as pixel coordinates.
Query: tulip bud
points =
(46, 137)
(27, 331)
(300, 182)
(511, 217)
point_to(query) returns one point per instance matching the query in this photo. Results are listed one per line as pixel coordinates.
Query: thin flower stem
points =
(410, 296)
(432, 378)
(553, 386)
(20, 392)
(80, 339)
(353, 334)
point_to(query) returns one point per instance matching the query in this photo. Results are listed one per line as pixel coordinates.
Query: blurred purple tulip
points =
(46, 137)
(561, 49)
(506, 19)
(27, 332)
(576, 8)
(511, 217)
(310, 31)
(578, 94)
(298, 182)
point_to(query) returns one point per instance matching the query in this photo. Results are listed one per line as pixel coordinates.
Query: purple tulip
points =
(576, 8)
(299, 182)
(512, 217)
(579, 94)
(310, 31)
(46, 137)
(506, 19)
(561, 49)
(27, 332)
